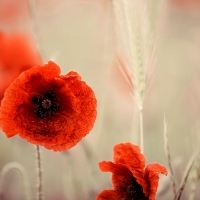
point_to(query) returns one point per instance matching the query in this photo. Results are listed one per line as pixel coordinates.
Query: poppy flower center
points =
(45, 105)
(129, 189)
(134, 191)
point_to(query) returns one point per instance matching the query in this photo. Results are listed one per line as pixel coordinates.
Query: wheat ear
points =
(134, 38)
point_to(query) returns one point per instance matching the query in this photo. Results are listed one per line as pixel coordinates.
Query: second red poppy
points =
(130, 179)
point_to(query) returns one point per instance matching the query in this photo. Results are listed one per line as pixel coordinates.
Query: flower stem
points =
(141, 130)
(40, 194)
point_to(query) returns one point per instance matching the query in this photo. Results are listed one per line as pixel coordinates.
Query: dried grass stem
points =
(167, 152)
(185, 176)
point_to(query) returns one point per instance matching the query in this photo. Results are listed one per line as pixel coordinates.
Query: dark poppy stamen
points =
(36, 99)
(45, 105)
(50, 95)
(134, 191)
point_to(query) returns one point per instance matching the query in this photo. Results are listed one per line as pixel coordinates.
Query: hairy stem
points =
(40, 193)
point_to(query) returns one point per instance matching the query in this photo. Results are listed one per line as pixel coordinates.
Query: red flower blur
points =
(187, 3)
(48, 109)
(14, 13)
(129, 178)
(17, 53)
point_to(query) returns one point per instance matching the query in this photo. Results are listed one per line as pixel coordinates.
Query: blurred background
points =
(79, 36)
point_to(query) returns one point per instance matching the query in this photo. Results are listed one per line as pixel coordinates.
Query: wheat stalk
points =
(134, 38)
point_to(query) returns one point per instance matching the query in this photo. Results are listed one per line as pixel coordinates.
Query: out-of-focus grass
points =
(79, 37)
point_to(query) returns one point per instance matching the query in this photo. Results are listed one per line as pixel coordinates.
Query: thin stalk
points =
(196, 168)
(39, 169)
(193, 191)
(21, 170)
(141, 130)
(32, 9)
(185, 176)
(35, 27)
(167, 152)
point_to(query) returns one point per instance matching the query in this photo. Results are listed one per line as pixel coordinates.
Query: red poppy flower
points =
(18, 52)
(129, 178)
(48, 109)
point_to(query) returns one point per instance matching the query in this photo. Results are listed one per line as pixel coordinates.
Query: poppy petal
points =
(120, 174)
(151, 175)
(129, 155)
(107, 194)
(129, 178)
